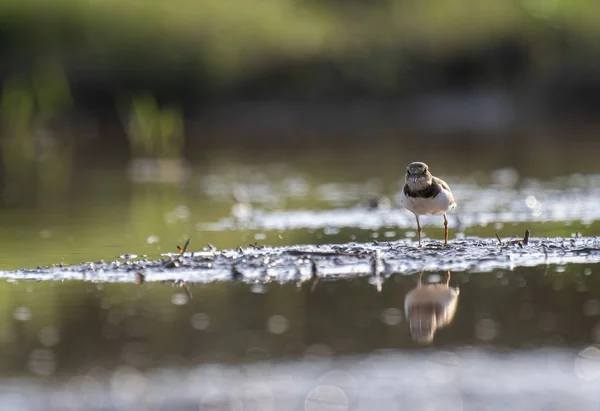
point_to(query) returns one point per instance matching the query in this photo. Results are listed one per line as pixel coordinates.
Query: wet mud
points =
(301, 263)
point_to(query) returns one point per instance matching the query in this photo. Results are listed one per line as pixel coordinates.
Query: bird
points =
(424, 194)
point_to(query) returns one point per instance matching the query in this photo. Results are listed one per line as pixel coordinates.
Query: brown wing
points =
(446, 190)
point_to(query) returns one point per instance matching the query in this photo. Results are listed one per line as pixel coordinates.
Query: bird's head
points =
(417, 173)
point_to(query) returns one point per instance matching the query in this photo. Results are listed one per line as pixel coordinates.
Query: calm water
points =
(337, 344)
(228, 201)
(156, 324)
(84, 345)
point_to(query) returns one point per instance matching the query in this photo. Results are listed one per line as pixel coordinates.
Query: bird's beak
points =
(414, 179)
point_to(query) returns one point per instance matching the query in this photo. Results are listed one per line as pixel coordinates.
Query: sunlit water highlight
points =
(568, 199)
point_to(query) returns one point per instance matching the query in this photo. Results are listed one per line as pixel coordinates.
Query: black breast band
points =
(428, 192)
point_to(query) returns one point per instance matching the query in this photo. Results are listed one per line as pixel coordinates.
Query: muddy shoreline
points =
(301, 263)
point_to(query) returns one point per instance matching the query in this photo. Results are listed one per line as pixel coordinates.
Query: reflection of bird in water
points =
(429, 307)
(424, 194)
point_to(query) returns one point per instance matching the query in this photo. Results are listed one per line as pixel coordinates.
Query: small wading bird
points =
(424, 194)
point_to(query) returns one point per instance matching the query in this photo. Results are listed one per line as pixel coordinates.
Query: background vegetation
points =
(193, 52)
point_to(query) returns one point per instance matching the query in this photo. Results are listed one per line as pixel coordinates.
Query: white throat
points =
(420, 184)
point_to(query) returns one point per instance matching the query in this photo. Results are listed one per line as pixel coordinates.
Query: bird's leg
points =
(445, 230)
(420, 277)
(447, 277)
(418, 229)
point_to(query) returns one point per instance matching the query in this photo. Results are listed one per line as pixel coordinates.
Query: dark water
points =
(110, 346)
(88, 324)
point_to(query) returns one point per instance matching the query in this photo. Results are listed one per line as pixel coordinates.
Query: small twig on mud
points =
(175, 262)
(520, 243)
(498, 237)
(172, 262)
(184, 249)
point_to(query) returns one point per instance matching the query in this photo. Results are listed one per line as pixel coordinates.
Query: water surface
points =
(280, 342)
(520, 331)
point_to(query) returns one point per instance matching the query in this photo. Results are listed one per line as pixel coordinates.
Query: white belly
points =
(439, 204)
